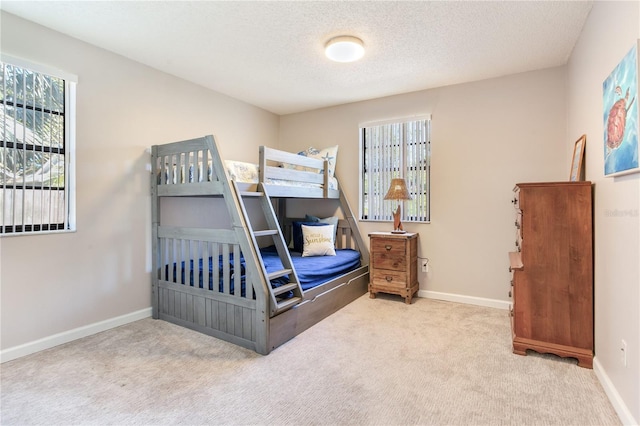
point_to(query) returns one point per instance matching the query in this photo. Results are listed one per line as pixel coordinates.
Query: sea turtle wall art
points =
(620, 114)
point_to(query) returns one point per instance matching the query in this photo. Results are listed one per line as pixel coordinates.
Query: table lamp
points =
(397, 191)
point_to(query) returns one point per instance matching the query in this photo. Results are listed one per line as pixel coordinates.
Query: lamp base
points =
(397, 224)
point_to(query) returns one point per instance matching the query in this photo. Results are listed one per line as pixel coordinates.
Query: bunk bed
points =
(248, 283)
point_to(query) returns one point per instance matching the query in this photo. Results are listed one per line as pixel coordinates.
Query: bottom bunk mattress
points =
(312, 271)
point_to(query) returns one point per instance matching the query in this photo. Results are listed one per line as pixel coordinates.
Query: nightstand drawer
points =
(388, 245)
(386, 278)
(388, 254)
(389, 261)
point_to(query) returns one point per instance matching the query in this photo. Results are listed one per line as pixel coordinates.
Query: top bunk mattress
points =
(238, 171)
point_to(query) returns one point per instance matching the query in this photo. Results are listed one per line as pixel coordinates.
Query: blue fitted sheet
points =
(312, 271)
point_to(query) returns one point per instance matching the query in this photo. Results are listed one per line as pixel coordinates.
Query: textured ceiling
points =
(270, 53)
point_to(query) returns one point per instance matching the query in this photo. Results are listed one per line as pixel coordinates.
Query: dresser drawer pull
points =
(388, 278)
(387, 247)
(509, 293)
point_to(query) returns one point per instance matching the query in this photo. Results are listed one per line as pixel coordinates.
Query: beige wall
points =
(486, 136)
(610, 31)
(55, 283)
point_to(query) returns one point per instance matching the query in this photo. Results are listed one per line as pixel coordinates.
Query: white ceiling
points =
(270, 53)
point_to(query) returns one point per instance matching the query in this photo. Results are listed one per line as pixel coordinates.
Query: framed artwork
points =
(620, 113)
(577, 159)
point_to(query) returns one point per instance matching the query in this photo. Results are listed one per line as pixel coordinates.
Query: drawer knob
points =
(509, 293)
(387, 247)
(388, 278)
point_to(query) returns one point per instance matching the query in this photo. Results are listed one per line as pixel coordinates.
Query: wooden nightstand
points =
(394, 264)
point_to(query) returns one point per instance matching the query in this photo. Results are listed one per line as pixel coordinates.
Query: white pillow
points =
(318, 241)
(242, 172)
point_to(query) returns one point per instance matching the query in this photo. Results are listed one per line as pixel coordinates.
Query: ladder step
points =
(287, 303)
(278, 274)
(251, 193)
(265, 232)
(284, 288)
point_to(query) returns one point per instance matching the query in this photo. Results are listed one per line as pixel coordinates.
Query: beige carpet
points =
(377, 361)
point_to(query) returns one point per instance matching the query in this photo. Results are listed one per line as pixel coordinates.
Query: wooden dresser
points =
(552, 270)
(394, 264)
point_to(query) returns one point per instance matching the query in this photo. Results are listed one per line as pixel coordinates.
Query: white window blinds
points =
(390, 150)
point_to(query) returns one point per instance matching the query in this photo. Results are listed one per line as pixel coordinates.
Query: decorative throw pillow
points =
(329, 154)
(333, 220)
(297, 236)
(318, 241)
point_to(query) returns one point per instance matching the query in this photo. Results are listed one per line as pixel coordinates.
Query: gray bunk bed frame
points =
(260, 319)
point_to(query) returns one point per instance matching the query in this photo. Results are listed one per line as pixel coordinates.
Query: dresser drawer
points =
(518, 225)
(516, 198)
(388, 254)
(511, 286)
(518, 242)
(387, 278)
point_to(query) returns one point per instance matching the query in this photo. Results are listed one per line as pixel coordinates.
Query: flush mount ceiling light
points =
(344, 49)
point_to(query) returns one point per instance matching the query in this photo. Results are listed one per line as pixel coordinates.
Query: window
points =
(36, 147)
(398, 149)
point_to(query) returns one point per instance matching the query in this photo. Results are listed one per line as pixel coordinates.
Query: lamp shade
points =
(398, 190)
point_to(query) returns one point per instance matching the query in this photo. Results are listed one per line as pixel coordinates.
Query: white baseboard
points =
(614, 397)
(470, 300)
(68, 336)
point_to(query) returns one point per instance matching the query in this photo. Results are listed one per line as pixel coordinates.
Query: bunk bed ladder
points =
(279, 300)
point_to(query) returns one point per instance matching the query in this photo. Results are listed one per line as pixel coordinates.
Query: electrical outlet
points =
(425, 266)
(623, 354)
